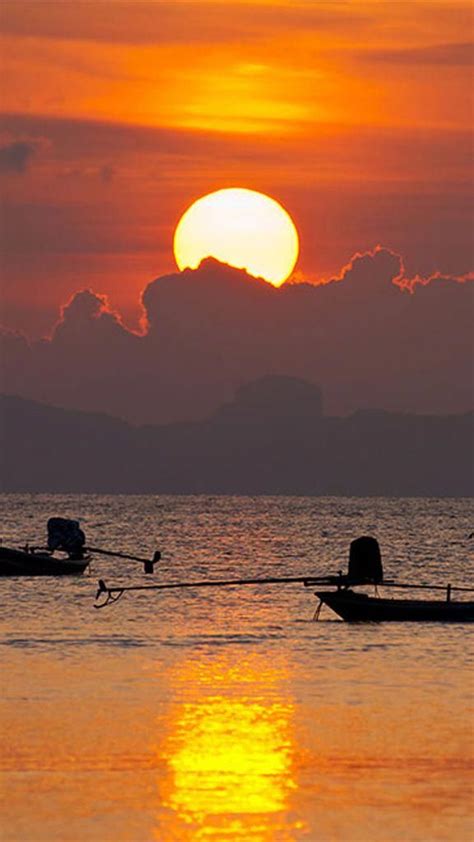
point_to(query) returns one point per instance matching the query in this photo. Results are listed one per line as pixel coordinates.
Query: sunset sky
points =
(355, 115)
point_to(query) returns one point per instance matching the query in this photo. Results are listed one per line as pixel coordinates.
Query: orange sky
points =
(355, 115)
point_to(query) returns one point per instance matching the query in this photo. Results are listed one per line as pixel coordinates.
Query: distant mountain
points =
(272, 439)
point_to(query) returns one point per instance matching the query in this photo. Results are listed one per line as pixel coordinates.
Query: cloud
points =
(393, 263)
(15, 157)
(370, 337)
(171, 22)
(107, 174)
(88, 318)
(418, 281)
(385, 262)
(84, 307)
(17, 153)
(452, 55)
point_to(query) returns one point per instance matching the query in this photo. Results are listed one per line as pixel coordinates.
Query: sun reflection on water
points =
(229, 754)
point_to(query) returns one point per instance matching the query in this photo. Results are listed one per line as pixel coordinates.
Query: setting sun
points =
(243, 228)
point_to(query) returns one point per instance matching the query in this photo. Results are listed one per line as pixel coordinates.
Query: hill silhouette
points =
(273, 438)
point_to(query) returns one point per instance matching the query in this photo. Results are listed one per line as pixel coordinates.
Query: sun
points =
(244, 228)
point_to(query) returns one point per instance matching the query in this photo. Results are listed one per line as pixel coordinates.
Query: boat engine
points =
(365, 560)
(67, 535)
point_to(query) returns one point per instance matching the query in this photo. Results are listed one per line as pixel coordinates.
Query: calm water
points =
(228, 714)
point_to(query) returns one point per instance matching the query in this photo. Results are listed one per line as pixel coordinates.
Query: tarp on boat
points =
(66, 534)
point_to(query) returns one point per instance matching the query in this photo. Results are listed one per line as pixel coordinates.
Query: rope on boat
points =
(318, 611)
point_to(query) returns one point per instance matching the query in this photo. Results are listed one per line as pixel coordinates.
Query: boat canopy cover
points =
(65, 534)
(365, 560)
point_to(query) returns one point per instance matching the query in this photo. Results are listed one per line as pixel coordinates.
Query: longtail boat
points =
(64, 555)
(365, 568)
(360, 607)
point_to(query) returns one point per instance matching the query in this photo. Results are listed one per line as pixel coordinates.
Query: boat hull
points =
(21, 563)
(357, 608)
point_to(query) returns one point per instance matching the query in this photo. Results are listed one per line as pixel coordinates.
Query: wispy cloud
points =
(453, 55)
(16, 155)
(179, 21)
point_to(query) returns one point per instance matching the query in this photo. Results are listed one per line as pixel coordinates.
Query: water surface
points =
(229, 714)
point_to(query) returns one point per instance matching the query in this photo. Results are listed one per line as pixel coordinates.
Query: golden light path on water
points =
(230, 755)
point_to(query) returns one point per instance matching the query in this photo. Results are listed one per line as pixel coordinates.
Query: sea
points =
(229, 714)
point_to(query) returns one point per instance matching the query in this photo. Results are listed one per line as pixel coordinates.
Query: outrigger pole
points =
(113, 594)
(148, 563)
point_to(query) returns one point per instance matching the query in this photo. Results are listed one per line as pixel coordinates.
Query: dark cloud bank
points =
(370, 338)
(217, 395)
